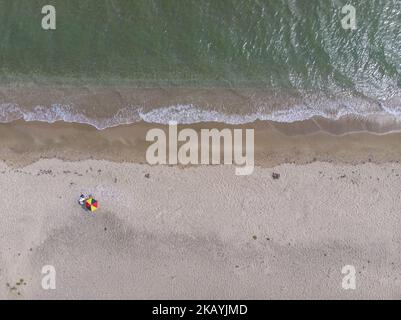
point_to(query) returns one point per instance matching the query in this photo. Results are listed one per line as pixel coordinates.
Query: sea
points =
(230, 61)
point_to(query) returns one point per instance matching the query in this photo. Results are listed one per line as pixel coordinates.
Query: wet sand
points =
(22, 143)
(198, 232)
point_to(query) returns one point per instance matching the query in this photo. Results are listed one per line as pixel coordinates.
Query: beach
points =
(198, 232)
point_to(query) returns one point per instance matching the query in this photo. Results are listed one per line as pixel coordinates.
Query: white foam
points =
(187, 114)
(65, 113)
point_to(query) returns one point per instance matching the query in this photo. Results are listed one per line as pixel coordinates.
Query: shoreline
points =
(22, 143)
(104, 107)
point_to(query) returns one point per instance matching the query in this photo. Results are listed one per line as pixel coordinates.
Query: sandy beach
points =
(199, 232)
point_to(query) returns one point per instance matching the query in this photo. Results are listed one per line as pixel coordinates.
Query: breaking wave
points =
(190, 114)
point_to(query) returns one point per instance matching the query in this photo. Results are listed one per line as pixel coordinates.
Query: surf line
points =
(225, 146)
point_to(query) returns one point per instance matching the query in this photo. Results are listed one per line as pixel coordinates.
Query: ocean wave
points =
(65, 113)
(189, 114)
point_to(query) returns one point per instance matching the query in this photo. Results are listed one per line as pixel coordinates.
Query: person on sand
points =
(82, 199)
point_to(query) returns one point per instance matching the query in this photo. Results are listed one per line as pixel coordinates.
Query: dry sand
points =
(198, 232)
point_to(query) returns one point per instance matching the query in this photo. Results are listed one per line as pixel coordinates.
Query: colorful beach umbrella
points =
(91, 204)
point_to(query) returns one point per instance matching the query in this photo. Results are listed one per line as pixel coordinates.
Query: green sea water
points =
(218, 42)
(284, 44)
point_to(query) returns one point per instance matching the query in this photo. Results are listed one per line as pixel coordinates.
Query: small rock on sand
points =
(275, 176)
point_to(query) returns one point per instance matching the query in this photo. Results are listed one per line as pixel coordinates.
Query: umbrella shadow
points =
(84, 208)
